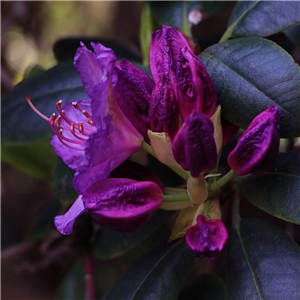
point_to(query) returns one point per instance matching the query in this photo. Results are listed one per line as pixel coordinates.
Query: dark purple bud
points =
(194, 147)
(229, 131)
(194, 86)
(164, 114)
(132, 170)
(122, 204)
(165, 47)
(133, 93)
(206, 238)
(258, 147)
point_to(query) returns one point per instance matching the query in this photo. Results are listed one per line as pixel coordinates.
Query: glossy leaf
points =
(19, 122)
(175, 13)
(36, 159)
(277, 191)
(262, 18)
(263, 262)
(204, 287)
(110, 244)
(157, 275)
(251, 74)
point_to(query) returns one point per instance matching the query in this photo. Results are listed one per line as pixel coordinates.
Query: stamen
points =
(58, 105)
(69, 140)
(86, 114)
(35, 109)
(91, 122)
(73, 131)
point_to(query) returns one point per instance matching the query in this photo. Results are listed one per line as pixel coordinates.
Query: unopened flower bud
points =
(206, 238)
(258, 147)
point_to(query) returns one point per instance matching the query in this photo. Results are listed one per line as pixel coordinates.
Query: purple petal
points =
(258, 147)
(194, 146)
(71, 157)
(64, 223)
(122, 204)
(133, 93)
(93, 68)
(165, 47)
(195, 87)
(164, 113)
(105, 150)
(206, 238)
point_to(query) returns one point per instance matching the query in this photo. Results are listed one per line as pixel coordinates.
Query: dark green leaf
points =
(110, 244)
(157, 275)
(175, 13)
(19, 122)
(36, 159)
(204, 287)
(250, 74)
(262, 18)
(263, 263)
(277, 191)
(73, 285)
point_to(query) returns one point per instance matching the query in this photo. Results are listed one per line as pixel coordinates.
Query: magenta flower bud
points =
(133, 93)
(207, 238)
(164, 113)
(258, 147)
(122, 204)
(195, 87)
(194, 147)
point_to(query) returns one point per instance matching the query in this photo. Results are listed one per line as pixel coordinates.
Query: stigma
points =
(70, 133)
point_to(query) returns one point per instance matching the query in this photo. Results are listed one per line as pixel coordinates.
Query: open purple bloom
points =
(258, 147)
(119, 203)
(206, 238)
(93, 136)
(194, 146)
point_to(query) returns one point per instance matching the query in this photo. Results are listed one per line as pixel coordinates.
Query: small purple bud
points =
(195, 87)
(133, 93)
(258, 147)
(194, 147)
(206, 238)
(164, 113)
(122, 204)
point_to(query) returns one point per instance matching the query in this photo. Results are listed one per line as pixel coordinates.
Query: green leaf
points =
(19, 122)
(263, 262)
(73, 285)
(36, 159)
(251, 74)
(175, 13)
(157, 275)
(110, 244)
(262, 18)
(204, 287)
(277, 191)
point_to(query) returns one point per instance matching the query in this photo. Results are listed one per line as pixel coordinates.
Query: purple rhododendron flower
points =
(258, 147)
(207, 238)
(194, 147)
(119, 203)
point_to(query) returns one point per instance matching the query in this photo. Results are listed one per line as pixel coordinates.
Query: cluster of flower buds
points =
(175, 113)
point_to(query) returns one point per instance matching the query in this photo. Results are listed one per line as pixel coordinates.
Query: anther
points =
(58, 105)
(75, 105)
(90, 122)
(86, 114)
(80, 127)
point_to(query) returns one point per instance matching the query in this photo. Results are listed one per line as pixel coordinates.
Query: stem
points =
(89, 277)
(176, 198)
(186, 26)
(207, 208)
(222, 181)
(183, 174)
(226, 35)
